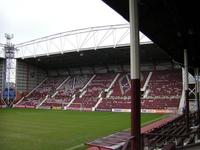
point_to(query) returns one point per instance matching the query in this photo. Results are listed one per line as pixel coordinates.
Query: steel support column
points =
(197, 91)
(27, 78)
(135, 76)
(187, 109)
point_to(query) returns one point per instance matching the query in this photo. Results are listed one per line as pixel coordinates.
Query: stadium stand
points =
(174, 132)
(1, 103)
(165, 84)
(162, 91)
(94, 91)
(65, 93)
(120, 93)
(43, 91)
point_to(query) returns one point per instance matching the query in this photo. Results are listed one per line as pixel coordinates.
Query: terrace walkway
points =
(117, 140)
(197, 147)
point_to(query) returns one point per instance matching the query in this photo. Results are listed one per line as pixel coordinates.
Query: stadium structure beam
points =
(135, 76)
(187, 109)
(110, 36)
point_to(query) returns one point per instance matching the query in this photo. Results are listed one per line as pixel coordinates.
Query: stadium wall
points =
(85, 70)
(109, 68)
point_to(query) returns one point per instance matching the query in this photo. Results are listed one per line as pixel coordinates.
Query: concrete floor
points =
(193, 148)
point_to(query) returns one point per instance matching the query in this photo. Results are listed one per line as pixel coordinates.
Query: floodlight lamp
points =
(9, 36)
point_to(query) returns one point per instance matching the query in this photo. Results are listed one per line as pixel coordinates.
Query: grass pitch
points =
(30, 129)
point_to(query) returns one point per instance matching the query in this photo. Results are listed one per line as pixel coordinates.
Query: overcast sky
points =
(31, 19)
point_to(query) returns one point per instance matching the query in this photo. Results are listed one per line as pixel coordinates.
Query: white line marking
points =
(75, 147)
